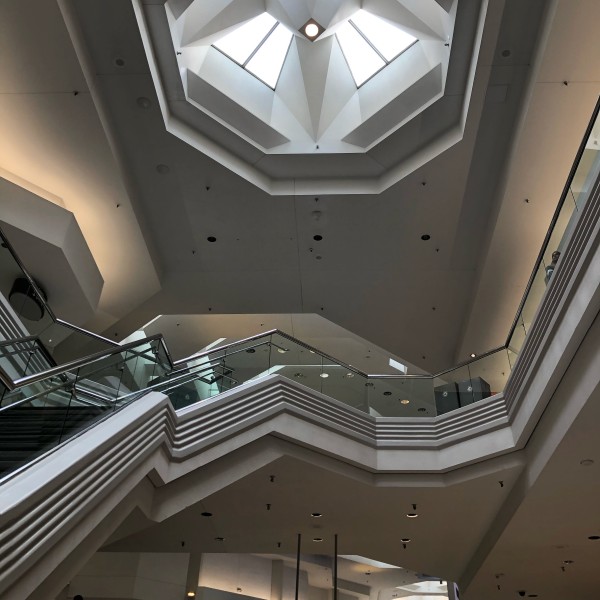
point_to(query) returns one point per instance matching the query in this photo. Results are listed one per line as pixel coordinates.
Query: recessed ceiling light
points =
(317, 238)
(405, 401)
(422, 409)
(191, 594)
(281, 350)
(163, 169)
(387, 393)
(473, 355)
(349, 375)
(412, 515)
(219, 539)
(425, 237)
(594, 537)
(317, 539)
(316, 515)
(311, 30)
(250, 350)
(586, 462)
(211, 238)
(324, 375)
(568, 562)
(206, 514)
(405, 540)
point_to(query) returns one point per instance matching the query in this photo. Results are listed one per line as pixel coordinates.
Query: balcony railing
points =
(55, 403)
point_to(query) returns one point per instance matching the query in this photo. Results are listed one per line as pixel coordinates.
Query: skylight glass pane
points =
(266, 64)
(240, 44)
(389, 40)
(361, 58)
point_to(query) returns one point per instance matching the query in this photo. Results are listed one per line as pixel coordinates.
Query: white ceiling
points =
(432, 303)
(96, 153)
(78, 133)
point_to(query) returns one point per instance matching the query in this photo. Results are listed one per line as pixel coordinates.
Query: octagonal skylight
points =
(249, 89)
(368, 43)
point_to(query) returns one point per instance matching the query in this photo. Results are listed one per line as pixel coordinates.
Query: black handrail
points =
(555, 217)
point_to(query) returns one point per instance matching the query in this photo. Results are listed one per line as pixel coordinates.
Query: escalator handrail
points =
(84, 361)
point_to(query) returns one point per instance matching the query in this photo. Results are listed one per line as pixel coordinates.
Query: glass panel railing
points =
(42, 413)
(411, 396)
(19, 358)
(90, 390)
(582, 178)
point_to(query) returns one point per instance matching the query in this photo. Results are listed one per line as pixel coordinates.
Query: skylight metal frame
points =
(254, 52)
(386, 62)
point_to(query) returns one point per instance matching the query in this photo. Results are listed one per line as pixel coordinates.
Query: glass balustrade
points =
(42, 413)
(397, 396)
(66, 400)
(581, 180)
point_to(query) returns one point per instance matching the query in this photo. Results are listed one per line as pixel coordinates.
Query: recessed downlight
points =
(211, 239)
(206, 514)
(250, 350)
(473, 355)
(282, 350)
(425, 237)
(387, 393)
(316, 515)
(586, 462)
(594, 537)
(311, 30)
(404, 401)
(349, 375)
(405, 540)
(317, 238)
(191, 594)
(324, 375)
(317, 539)
(568, 562)
(412, 515)
(219, 539)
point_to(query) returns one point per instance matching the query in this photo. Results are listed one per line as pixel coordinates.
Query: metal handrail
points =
(80, 362)
(180, 365)
(41, 297)
(23, 340)
(555, 217)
